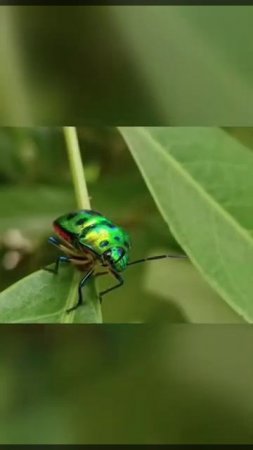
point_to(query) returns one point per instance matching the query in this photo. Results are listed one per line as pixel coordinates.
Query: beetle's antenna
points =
(150, 258)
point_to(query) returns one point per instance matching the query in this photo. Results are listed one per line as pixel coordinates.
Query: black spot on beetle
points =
(81, 221)
(110, 225)
(88, 228)
(105, 223)
(71, 215)
(103, 244)
(117, 238)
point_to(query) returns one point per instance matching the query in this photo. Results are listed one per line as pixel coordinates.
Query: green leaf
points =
(43, 297)
(201, 180)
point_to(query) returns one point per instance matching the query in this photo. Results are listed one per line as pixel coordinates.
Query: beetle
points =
(89, 241)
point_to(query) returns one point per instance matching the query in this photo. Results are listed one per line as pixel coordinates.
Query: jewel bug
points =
(90, 241)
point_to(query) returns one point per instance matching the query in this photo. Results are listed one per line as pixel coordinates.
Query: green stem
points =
(76, 167)
(83, 202)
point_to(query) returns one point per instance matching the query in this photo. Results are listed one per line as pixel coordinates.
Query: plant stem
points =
(76, 167)
(83, 202)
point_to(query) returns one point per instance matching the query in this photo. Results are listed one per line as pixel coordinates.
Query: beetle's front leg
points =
(120, 283)
(57, 243)
(59, 259)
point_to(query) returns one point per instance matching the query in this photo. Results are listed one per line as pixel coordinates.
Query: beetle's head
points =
(116, 258)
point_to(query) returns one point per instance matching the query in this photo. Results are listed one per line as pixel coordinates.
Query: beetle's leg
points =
(59, 259)
(54, 240)
(101, 273)
(61, 245)
(120, 282)
(57, 243)
(81, 285)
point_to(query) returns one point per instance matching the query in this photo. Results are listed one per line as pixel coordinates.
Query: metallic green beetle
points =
(89, 240)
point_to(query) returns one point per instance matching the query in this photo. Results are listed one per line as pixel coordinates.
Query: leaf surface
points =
(44, 297)
(201, 180)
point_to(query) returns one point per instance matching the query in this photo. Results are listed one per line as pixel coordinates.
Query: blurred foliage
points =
(134, 384)
(169, 65)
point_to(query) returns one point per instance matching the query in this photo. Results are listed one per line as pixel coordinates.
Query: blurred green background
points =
(156, 65)
(36, 187)
(126, 384)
